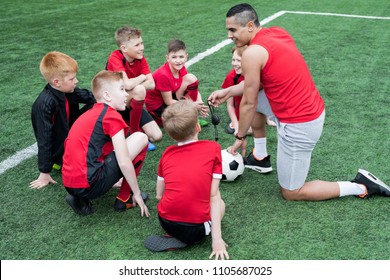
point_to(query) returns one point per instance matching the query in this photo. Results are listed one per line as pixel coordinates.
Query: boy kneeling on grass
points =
(97, 152)
(189, 173)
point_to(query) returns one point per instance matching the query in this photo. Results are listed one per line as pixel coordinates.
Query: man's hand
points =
(238, 144)
(218, 97)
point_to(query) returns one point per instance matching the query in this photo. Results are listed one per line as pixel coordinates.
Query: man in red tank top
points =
(272, 61)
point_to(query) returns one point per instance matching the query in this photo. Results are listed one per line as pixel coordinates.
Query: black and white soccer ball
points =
(232, 166)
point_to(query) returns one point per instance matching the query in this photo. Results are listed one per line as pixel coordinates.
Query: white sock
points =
(260, 150)
(349, 188)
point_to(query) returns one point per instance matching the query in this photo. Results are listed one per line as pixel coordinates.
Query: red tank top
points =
(286, 79)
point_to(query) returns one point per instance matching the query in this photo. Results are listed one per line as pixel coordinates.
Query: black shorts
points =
(185, 232)
(106, 177)
(145, 117)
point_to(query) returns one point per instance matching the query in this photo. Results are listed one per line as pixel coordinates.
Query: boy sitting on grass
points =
(129, 58)
(189, 173)
(54, 112)
(173, 83)
(97, 152)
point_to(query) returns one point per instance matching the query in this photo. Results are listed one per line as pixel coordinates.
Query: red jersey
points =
(232, 79)
(188, 171)
(165, 81)
(88, 144)
(117, 62)
(286, 78)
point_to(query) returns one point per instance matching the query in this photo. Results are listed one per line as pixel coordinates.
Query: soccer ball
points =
(232, 166)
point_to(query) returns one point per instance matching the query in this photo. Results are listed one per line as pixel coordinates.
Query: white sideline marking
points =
(226, 42)
(17, 158)
(31, 151)
(336, 15)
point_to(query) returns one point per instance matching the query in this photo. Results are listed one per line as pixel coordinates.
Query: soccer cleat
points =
(159, 243)
(373, 185)
(261, 166)
(203, 122)
(229, 129)
(121, 206)
(151, 146)
(80, 206)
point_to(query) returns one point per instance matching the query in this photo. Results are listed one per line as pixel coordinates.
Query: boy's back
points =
(188, 170)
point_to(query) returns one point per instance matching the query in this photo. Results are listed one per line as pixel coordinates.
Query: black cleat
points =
(80, 206)
(121, 206)
(373, 185)
(159, 243)
(261, 166)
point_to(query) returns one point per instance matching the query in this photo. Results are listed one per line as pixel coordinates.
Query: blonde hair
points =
(56, 65)
(125, 34)
(180, 120)
(103, 80)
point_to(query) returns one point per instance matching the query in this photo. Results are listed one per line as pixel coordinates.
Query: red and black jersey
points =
(88, 143)
(117, 62)
(52, 114)
(232, 79)
(187, 171)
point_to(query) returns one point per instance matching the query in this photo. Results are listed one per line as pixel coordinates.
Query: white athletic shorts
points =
(295, 145)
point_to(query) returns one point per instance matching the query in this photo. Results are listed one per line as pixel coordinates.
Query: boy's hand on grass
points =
(43, 180)
(137, 200)
(219, 249)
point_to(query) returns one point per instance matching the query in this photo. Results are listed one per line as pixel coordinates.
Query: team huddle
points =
(104, 143)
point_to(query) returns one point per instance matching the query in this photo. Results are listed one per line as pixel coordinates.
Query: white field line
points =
(31, 151)
(336, 15)
(226, 42)
(17, 158)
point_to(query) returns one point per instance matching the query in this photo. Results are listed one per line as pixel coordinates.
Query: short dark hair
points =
(244, 13)
(176, 45)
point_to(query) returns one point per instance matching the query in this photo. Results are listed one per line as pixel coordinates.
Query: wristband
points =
(239, 138)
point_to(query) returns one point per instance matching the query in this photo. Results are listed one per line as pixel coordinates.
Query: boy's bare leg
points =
(153, 131)
(136, 144)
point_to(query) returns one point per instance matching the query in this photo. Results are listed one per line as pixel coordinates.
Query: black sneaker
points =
(121, 206)
(373, 184)
(159, 243)
(80, 206)
(262, 166)
(229, 129)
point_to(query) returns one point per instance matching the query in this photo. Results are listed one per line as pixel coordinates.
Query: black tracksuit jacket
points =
(50, 123)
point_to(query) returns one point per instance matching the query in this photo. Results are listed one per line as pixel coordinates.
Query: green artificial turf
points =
(348, 58)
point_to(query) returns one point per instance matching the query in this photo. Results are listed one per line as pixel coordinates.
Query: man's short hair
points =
(243, 13)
